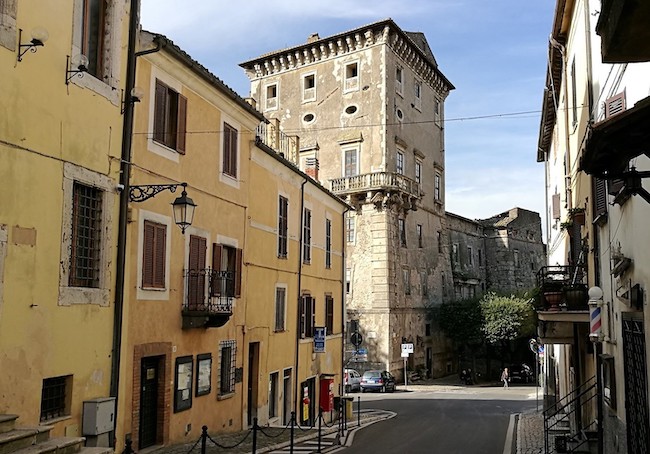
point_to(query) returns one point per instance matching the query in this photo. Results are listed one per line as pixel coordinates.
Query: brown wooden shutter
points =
(159, 113)
(181, 125)
(313, 317)
(233, 151)
(238, 272)
(196, 279)
(303, 304)
(216, 267)
(148, 254)
(160, 255)
(226, 149)
(600, 196)
(555, 200)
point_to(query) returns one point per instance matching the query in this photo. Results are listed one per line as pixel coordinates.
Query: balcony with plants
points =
(562, 289)
(209, 296)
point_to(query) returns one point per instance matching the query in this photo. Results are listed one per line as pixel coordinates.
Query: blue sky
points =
(494, 52)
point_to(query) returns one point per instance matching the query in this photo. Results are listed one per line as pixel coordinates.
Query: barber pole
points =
(595, 321)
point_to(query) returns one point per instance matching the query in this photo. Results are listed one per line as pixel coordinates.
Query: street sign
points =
(405, 354)
(356, 339)
(408, 348)
(319, 339)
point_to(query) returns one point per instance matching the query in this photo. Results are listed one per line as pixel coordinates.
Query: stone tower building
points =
(368, 106)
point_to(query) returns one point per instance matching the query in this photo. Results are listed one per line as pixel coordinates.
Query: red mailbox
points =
(327, 394)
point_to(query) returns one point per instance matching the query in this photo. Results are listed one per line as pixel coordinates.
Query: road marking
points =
(507, 448)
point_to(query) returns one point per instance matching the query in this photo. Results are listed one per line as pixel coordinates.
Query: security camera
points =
(119, 187)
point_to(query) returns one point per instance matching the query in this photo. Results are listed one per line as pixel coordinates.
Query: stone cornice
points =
(383, 32)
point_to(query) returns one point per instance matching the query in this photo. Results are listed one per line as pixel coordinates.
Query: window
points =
(154, 255)
(424, 284)
(55, 397)
(169, 117)
(400, 163)
(309, 87)
(439, 238)
(470, 256)
(350, 224)
(227, 362)
(306, 237)
(328, 243)
(418, 172)
(272, 97)
(516, 257)
(348, 281)
(480, 257)
(402, 232)
(399, 75)
(86, 235)
(351, 77)
(351, 162)
(427, 329)
(418, 95)
(533, 261)
(437, 187)
(406, 277)
(329, 314)
(280, 308)
(273, 394)
(196, 278)
(419, 232)
(227, 259)
(283, 226)
(307, 316)
(229, 150)
(93, 32)
(454, 254)
(436, 112)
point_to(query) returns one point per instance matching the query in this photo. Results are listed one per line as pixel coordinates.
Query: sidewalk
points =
(530, 433)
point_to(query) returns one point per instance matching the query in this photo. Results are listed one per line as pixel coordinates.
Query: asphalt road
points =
(471, 420)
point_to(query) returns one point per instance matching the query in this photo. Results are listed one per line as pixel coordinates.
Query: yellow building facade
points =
(60, 147)
(212, 334)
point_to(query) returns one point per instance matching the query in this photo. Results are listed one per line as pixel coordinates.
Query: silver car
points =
(352, 381)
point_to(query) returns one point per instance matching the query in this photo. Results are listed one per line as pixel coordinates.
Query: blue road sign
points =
(319, 339)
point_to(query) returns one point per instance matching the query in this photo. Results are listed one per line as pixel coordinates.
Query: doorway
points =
(253, 380)
(149, 386)
(286, 397)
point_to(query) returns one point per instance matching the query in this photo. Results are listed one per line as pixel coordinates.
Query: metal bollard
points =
(359, 411)
(204, 439)
(128, 449)
(293, 421)
(320, 420)
(254, 435)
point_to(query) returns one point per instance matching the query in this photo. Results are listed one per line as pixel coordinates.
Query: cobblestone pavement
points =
(530, 433)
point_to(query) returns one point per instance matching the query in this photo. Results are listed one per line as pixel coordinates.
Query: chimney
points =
(311, 167)
(312, 38)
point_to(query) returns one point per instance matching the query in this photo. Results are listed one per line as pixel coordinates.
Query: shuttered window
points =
(229, 150)
(93, 32)
(306, 252)
(307, 316)
(329, 314)
(280, 307)
(229, 259)
(283, 226)
(170, 118)
(555, 202)
(154, 255)
(328, 243)
(196, 272)
(599, 196)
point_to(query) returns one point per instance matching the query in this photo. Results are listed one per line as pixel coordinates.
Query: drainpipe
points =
(299, 298)
(343, 305)
(127, 128)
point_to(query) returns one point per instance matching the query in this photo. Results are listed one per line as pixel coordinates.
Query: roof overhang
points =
(623, 27)
(613, 142)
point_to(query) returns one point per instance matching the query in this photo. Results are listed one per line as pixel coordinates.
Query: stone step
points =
(96, 451)
(7, 423)
(23, 437)
(63, 445)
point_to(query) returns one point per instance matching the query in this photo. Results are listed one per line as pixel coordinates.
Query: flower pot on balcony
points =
(576, 297)
(552, 300)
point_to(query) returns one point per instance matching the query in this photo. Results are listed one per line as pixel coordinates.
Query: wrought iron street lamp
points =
(183, 207)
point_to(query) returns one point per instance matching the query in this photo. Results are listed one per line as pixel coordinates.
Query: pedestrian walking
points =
(505, 377)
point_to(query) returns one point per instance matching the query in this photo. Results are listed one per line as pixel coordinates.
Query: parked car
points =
(352, 380)
(521, 373)
(378, 380)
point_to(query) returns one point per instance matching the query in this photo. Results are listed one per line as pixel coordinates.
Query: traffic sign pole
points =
(405, 379)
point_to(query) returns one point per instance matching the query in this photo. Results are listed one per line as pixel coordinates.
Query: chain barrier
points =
(276, 435)
(194, 446)
(205, 429)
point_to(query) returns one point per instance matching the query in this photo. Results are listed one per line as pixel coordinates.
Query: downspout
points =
(299, 297)
(344, 315)
(127, 128)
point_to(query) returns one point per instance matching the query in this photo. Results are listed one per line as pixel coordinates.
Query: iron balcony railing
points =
(270, 135)
(562, 287)
(375, 181)
(209, 291)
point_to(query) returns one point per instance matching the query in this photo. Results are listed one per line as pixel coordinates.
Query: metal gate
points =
(636, 386)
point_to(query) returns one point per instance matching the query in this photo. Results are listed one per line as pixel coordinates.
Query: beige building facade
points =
(368, 105)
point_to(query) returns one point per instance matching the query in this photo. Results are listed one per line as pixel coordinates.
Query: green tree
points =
(461, 322)
(506, 318)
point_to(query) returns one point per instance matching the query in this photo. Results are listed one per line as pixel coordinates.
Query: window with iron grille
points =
(226, 261)
(306, 239)
(328, 243)
(280, 308)
(154, 255)
(402, 232)
(169, 118)
(227, 363)
(329, 314)
(86, 235)
(350, 224)
(283, 226)
(55, 397)
(307, 316)
(229, 150)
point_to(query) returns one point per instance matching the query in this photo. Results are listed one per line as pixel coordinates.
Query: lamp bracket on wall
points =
(144, 192)
(39, 36)
(77, 65)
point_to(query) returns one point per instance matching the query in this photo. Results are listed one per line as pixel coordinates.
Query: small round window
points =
(308, 118)
(350, 110)
(400, 114)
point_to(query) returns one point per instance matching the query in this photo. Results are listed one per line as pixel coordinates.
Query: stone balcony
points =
(384, 189)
